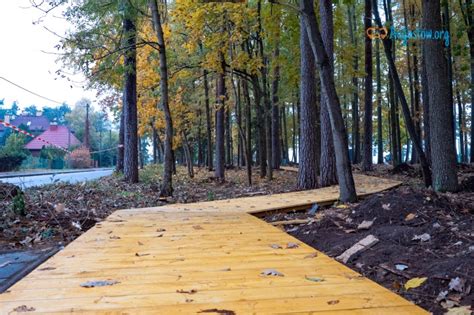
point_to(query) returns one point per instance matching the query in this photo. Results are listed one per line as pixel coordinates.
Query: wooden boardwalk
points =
(187, 259)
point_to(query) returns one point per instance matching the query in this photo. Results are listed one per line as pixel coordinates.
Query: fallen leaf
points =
(313, 255)
(342, 206)
(140, 243)
(315, 279)
(463, 310)
(192, 291)
(59, 208)
(423, 237)
(333, 302)
(161, 230)
(140, 255)
(275, 246)
(410, 217)
(292, 245)
(98, 283)
(217, 311)
(414, 283)
(114, 237)
(197, 227)
(457, 284)
(442, 296)
(46, 268)
(365, 225)
(386, 206)
(189, 300)
(401, 267)
(24, 308)
(271, 272)
(449, 304)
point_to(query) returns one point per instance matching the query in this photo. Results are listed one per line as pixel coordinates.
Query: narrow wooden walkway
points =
(186, 259)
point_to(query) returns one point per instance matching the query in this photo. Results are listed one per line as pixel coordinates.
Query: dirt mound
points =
(425, 234)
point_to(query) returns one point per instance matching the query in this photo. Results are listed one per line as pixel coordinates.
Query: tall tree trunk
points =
(276, 148)
(460, 126)
(248, 129)
(210, 155)
(414, 156)
(285, 142)
(199, 138)
(379, 106)
(446, 26)
(154, 135)
(355, 87)
(344, 171)
(295, 131)
(261, 143)
(130, 163)
(443, 152)
(308, 151)
(426, 107)
(166, 186)
(367, 160)
(187, 155)
(120, 148)
(406, 110)
(327, 165)
(220, 124)
(238, 114)
(267, 107)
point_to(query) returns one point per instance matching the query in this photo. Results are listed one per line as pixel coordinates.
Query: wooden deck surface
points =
(204, 258)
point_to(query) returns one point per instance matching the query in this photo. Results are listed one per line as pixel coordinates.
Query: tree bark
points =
(308, 151)
(327, 164)
(130, 164)
(220, 127)
(166, 186)
(443, 152)
(367, 159)
(248, 129)
(120, 149)
(355, 83)
(276, 148)
(344, 171)
(208, 123)
(379, 106)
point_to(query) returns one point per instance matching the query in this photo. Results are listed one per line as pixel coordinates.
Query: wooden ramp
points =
(183, 260)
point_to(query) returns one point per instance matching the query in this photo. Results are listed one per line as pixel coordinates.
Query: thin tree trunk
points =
(460, 126)
(276, 148)
(294, 146)
(426, 108)
(210, 154)
(367, 160)
(285, 142)
(262, 160)
(443, 152)
(120, 148)
(248, 128)
(188, 155)
(130, 164)
(166, 186)
(379, 107)
(344, 171)
(355, 87)
(416, 117)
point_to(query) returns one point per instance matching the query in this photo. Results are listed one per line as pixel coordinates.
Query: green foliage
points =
(19, 205)
(13, 153)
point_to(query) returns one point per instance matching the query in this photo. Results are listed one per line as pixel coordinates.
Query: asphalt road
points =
(39, 180)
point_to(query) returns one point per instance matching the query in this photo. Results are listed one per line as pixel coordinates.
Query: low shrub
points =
(79, 158)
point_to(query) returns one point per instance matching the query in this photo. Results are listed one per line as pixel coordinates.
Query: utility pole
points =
(86, 131)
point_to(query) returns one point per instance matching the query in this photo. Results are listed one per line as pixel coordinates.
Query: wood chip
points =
(358, 247)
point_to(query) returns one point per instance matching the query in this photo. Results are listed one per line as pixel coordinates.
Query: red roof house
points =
(57, 135)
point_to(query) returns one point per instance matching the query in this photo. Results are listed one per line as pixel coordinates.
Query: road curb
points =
(54, 173)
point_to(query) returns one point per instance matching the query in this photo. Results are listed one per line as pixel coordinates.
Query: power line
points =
(29, 91)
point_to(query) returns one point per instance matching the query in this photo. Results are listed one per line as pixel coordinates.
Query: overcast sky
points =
(23, 61)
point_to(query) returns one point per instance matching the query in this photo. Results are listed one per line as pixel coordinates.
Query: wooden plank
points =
(190, 269)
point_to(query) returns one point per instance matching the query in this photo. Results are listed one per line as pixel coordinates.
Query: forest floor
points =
(421, 234)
